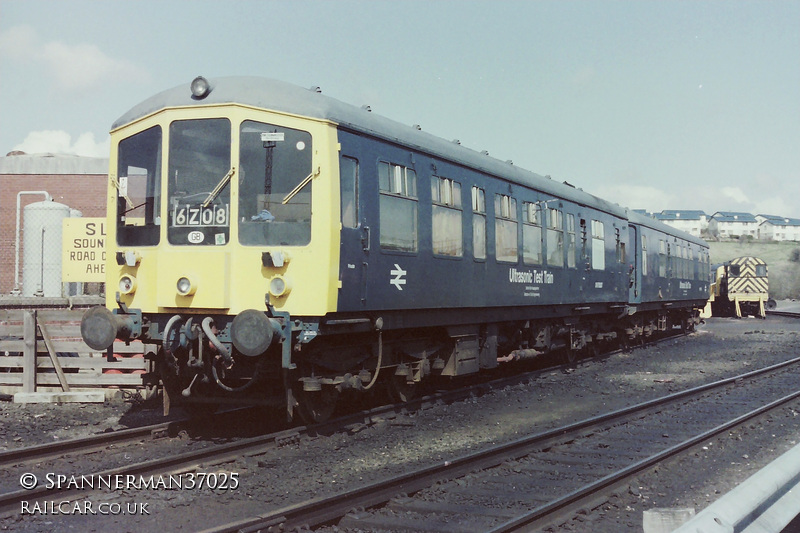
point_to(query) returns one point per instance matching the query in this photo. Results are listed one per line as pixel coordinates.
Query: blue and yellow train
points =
(271, 242)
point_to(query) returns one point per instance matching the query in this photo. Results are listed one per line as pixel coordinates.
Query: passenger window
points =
(478, 223)
(447, 227)
(348, 182)
(505, 213)
(662, 258)
(398, 207)
(598, 246)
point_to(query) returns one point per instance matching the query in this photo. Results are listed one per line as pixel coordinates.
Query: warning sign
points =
(84, 249)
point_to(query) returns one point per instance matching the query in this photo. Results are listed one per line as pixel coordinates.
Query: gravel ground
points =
(323, 466)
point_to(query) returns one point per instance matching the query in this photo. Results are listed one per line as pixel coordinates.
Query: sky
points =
(654, 105)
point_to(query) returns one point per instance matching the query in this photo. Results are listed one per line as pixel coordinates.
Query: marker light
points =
(200, 88)
(186, 287)
(279, 286)
(127, 284)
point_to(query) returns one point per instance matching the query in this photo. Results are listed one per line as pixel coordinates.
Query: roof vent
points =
(315, 89)
(456, 141)
(510, 162)
(417, 127)
(485, 152)
(366, 108)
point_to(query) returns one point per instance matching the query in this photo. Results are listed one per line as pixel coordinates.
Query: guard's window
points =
(598, 245)
(531, 234)
(572, 249)
(555, 238)
(620, 247)
(398, 207)
(505, 213)
(478, 223)
(348, 184)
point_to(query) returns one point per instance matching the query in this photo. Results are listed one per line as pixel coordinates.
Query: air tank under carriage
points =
(272, 243)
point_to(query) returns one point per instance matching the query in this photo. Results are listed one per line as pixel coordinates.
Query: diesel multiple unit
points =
(271, 242)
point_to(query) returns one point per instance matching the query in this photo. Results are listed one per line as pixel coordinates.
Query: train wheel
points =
(400, 390)
(316, 407)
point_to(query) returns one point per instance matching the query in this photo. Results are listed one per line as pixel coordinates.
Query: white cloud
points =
(637, 196)
(60, 142)
(736, 194)
(73, 66)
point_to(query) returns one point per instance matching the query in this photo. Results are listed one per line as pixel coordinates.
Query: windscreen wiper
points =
(218, 189)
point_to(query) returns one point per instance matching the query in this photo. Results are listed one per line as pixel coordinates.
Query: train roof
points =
(284, 97)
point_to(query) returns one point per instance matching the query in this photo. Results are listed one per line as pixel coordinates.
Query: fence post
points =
(29, 354)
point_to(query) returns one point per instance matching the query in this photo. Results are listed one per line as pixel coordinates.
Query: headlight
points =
(186, 287)
(127, 284)
(200, 88)
(279, 286)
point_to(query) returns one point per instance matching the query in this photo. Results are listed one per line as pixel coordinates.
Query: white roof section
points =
(44, 164)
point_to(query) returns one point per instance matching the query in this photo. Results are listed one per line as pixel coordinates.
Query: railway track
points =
(11, 460)
(544, 478)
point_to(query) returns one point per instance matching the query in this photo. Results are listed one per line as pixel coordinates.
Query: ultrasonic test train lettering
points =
(275, 244)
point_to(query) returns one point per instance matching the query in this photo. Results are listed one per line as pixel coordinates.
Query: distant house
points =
(692, 222)
(777, 228)
(731, 224)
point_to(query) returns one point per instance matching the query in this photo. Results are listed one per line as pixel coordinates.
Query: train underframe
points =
(308, 364)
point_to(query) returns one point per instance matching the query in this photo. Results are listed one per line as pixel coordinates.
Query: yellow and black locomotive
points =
(740, 287)
(271, 242)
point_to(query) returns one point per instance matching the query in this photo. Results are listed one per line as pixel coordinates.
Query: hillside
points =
(781, 258)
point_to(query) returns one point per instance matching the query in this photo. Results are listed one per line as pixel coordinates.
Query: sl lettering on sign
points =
(83, 250)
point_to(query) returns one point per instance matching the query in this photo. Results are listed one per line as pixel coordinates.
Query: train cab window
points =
(199, 175)
(662, 258)
(478, 223)
(348, 185)
(598, 245)
(734, 270)
(571, 246)
(447, 228)
(505, 213)
(138, 184)
(398, 207)
(555, 238)
(761, 271)
(531, 234)
(644, 255)
(274, 185)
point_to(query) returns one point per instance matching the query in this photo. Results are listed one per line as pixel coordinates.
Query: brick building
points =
(78, 182)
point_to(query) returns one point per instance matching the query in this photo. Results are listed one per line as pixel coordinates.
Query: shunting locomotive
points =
(740, 288)
(271, 243)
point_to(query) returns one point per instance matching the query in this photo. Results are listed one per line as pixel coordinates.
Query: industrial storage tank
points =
(41, 247)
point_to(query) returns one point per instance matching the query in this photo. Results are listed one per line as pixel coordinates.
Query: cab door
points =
(355, 238)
